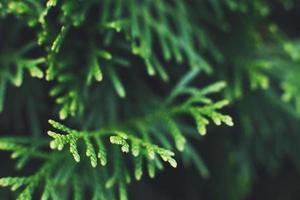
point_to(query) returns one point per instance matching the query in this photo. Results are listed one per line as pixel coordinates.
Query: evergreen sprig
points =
(99, 60)
(120, 136)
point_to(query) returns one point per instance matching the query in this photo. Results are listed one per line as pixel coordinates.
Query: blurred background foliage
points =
(93, 64)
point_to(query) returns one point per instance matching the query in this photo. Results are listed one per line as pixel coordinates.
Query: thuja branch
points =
(196, 105)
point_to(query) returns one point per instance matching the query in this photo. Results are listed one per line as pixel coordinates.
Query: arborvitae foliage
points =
(130, 87)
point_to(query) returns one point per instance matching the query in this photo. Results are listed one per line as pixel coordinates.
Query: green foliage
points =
(28, 183)
(22, 151)
(111, 69)
(13, 64)
(142, 149)
(196, 104)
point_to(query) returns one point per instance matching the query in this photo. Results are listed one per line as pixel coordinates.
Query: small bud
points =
(53, 145)
(172, 162)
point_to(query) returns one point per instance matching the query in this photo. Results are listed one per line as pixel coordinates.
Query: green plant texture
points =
(97, 95)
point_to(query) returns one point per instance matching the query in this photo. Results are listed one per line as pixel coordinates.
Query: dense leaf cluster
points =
(133, 78)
